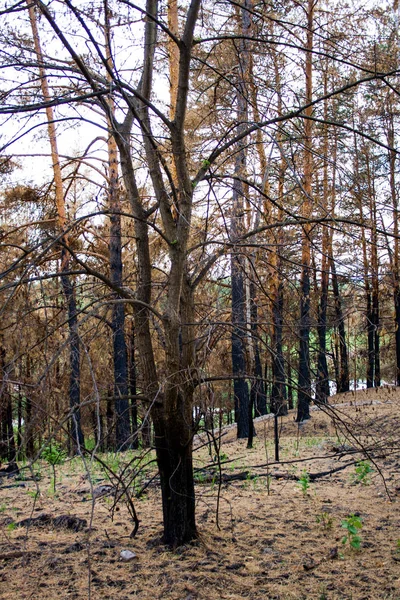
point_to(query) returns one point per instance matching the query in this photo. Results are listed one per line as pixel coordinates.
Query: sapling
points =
(352, 524)
(363, 472)
(304, 482)
(54, 455)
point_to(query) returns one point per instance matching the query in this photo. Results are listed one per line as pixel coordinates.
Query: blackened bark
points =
(377, 359)
(120, 359)
(344, 376)
(12, 452)
(371, 338)
(74, 357)
(173, 440)
(278, 392)
(240, 387)
(304, 381)
(7, 441)
(322, 385)
(28, 432)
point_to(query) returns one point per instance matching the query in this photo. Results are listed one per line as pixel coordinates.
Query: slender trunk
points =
(110, 439)
(394, 257)
(29, 441)
(19, 424)
(374, 262)
(258, 398)
(74, 359)
(68, 287)
(322, 383)
(290, 384)
(278, 392)
(304, 380)
(133, 388)
(239, 327)
(343, 382)
(240, 387)
(7, 440)
(120, 358)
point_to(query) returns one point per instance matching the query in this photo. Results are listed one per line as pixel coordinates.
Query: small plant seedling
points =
(11, 526)
(352, 524)
(3, 508)
(325, 520)
(363, 472)
(304, 482)
(55, 455)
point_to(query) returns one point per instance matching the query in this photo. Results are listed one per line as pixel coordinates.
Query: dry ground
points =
(273, 540)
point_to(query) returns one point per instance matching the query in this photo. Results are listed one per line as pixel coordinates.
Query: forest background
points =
(199, 221)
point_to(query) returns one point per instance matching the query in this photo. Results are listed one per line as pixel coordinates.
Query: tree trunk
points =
(278, 393)
(304, 381)
(258, 397)
(133, 388)
(120, 358)
(239, 325)
(342, 358)
(173, 441)
(68, 287)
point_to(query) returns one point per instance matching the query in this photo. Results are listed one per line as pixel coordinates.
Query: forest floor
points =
(274, 538)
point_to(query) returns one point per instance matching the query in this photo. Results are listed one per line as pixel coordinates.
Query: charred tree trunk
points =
(371, 338)
(7, 440)
(240, 387)
(239, 326)
(278, 393)
(120, 357)
(304, 380)
(74, 357)
(394, 257)
(322, 385)
(133, 388)
(175, 463)
(342, 358)
(375, 314)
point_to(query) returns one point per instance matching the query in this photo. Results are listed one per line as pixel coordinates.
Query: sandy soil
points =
(270, 540)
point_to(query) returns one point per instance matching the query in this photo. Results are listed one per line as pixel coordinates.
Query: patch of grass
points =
(325, 520)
